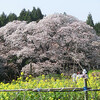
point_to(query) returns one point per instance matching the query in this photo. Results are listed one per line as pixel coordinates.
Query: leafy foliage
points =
(49, 82)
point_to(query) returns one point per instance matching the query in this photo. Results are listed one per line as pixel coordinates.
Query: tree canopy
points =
(29, 16)
(97, 28)
(89, 20)
(3, 19)
(36, 15)
(11, 17)
(25, 15)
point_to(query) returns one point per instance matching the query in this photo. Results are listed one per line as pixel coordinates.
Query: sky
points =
(78, 8)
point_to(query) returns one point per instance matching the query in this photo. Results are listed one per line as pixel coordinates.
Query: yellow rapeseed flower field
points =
(51, 82)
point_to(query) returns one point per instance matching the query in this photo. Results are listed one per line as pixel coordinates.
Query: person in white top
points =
(77, 76)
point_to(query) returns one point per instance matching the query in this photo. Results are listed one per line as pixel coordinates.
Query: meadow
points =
(50, 81)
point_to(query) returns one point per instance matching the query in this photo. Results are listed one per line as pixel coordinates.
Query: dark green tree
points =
(39, 14)
(28, 16)
(22, 15)
(65, 13)
(97, 28)
(3, 19)
(89, 20)
(34, 14)
(11, 17)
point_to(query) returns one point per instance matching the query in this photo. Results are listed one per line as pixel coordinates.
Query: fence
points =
(65, 89)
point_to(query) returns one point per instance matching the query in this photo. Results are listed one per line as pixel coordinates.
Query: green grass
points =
(91, 71)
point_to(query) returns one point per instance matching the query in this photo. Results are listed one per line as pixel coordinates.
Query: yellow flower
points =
(27, 78)
(30, 76)
(7, 98)
(43, 77)
(22, 73)
(62, 74)
(50, 98)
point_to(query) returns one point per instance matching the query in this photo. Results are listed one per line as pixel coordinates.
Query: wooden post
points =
(30, 69)
(85, 89)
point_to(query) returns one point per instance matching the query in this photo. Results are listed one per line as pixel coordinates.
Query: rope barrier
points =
(67, 89)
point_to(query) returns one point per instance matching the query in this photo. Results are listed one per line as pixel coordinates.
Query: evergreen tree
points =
(64, 13)
(0, 24)
(22, 15)
(28, 16)
(39, 14)
(3, 19)
(89, 20)
(11, 17)
(34, 14)
(97, 28)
